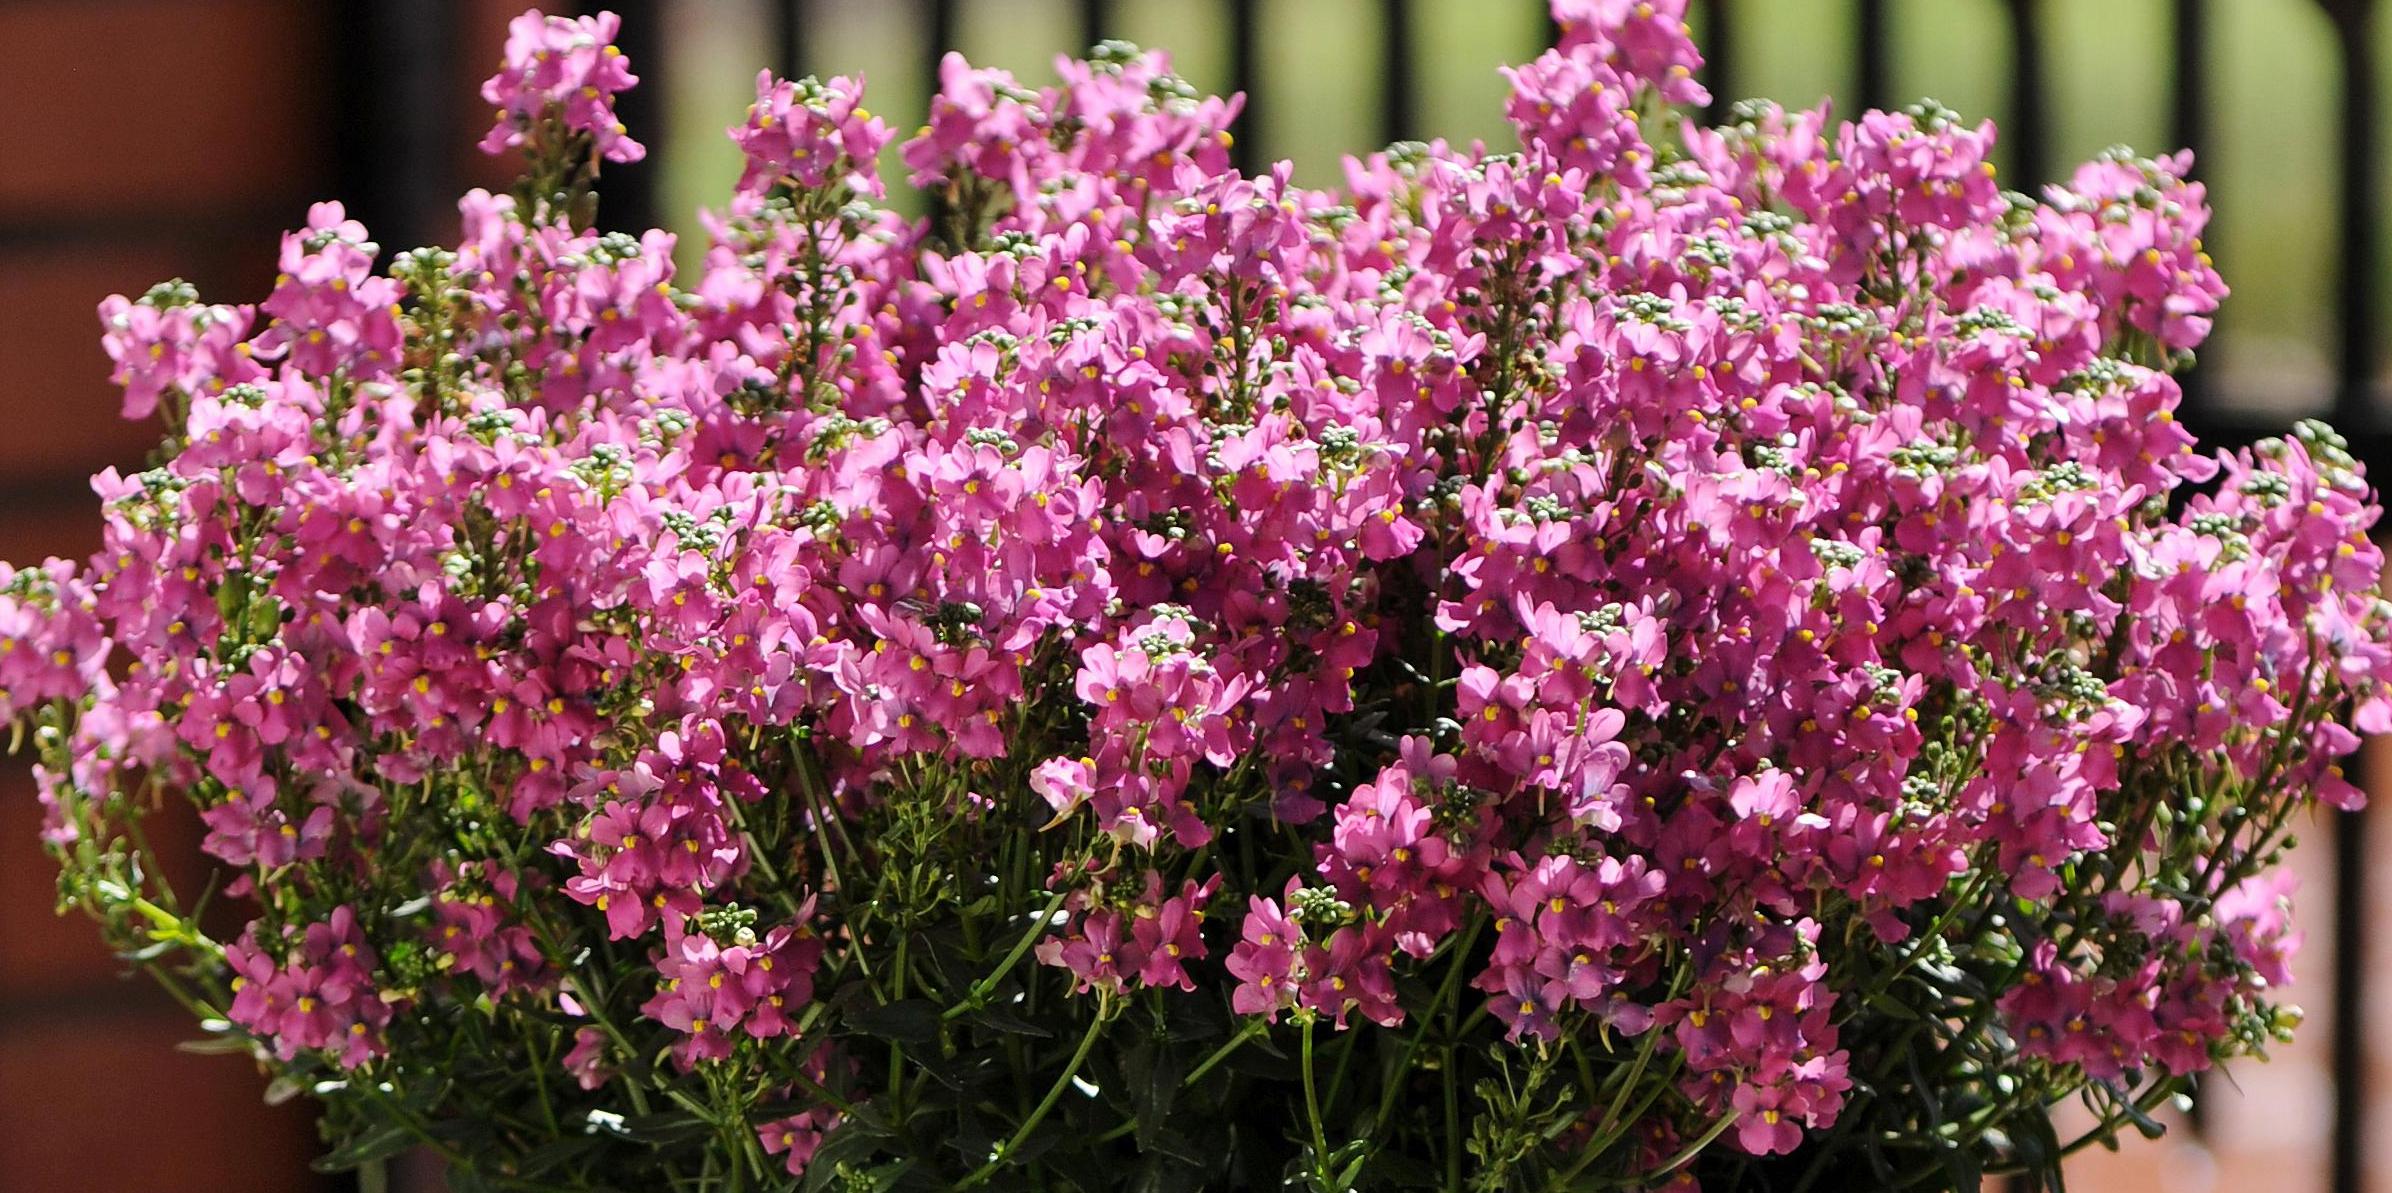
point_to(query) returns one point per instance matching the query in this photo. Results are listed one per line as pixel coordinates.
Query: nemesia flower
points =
(808, 134)
(568, 69)
(1581, 653)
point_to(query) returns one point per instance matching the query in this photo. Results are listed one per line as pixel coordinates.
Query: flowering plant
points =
(1667, 656)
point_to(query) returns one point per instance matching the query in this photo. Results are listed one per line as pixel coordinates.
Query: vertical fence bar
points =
(2029, 130)
(397, 119)
(1399, 90)
(628, 193)
(1719, 38)
(1096, 22)
(396, 126)
(1873, 63)
(786, 25)
(2358, 211)
(938, 32)
(2188, 107)
(939, 27)
(1245, 75)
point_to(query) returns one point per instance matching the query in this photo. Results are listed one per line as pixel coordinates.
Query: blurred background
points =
(148, 139)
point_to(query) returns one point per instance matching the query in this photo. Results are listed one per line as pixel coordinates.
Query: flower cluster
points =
(808, 135)
(1147, 945)
(566, 70)
(750, 986)
(319, 996)
(1660, 654)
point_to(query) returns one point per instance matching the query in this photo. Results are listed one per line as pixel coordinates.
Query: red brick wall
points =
(138, 141)
(142, 140)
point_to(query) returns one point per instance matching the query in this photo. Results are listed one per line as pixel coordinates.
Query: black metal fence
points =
(399, 129)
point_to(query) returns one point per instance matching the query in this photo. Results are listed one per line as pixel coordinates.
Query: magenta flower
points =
(564, 69)
(320, 997)
(796, 1138)
(1640, 582)
(1266, 961)
(1171, 934)
(809, 134)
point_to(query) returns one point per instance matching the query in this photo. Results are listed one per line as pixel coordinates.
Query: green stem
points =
(1254, 1027)
(593, 1003)
(981, 989)
(1687, 1154)
(1453, 976)
(2110, 1124)
(1453, 1125)
(1312, 1115)
(1644, 1056)
(1054, 1093)
(896, 1086)
(1606, 1135)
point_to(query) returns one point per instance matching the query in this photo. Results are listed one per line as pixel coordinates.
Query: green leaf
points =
(1348, 1160)
(1963, 1170)
(972, 1138)
(943, 950)
(953, 1072)
(907, 1021)
(1161, 1140)
(265, 618)
(1005, 1019)
(378, 1144)
(1160, 1175)
(232, 593)
(1392, 1169)
(2038, 1147)
(1049, 1135)
(1260, 1059)
(217, 1045)
(1891, 1007)
(1154, 1092)
(284, 1088)
(1921, 1087)
(152, 951)
(1081, 1168)
(2150, 1127)
(852, 1142)
(1190, 1020)
(557, 1153)
(670, 1126)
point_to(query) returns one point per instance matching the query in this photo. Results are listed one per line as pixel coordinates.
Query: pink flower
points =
(796, 1138)
(330, 312)
(808, 134)
(1265, 961)
(319, 997)
(1170, 934)
(564, 69)
(165, 341)
(587, 1059)
(1641, 583)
